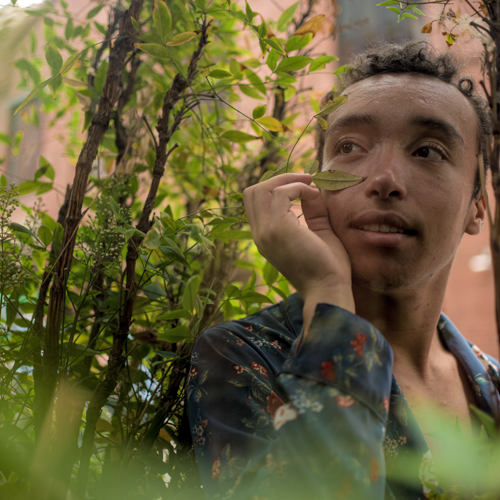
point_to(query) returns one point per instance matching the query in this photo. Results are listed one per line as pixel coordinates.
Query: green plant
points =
(150, 246)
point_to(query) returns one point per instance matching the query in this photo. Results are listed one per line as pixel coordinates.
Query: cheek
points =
(338, 207)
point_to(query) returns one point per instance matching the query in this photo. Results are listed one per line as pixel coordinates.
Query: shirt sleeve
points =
(313, 428)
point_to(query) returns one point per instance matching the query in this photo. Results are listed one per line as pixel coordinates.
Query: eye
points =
(347, 147)
(430, 152)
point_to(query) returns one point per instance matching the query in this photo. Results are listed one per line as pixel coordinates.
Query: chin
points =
(381, 282)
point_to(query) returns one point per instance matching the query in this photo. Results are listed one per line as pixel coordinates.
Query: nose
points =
(386, 179)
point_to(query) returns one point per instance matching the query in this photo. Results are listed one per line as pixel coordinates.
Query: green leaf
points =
(407, 15)
(162, 19)
(93, 12)
(30, 68)
(322, 122)
(334, 180)
(293, 63)
(46, 169)
(238, 136)
(259, 111)
(272, 59)
(255, 80)
(331, 106)
(153, 291)
(220, 73)
(235, 68)
(275, 44)
(250, 91)
(486, 420)
(387, 2)
(53, 58)
(177, 334)
(45, 235)
(342, 69)
(69, 63)
(255, 297)
(320, 62)
(154, 49)
(286, 17)
(181, 38)
(5, 138)
(297, 42)
(190, 293)
(234, 235)
(174, 314)
(270, 273)
(33, 94)
(20, 228)
(12, 309)
(394, 9)
(271, 123)
(283, 168)
(27, 187)
(249, 12)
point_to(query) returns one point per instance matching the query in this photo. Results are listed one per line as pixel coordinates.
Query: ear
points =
(477, 213)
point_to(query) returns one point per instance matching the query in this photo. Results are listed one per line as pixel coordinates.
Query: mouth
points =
(385, 228)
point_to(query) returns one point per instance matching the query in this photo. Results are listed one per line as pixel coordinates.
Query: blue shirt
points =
(274, 415)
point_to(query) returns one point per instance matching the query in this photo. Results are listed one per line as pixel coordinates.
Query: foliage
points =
(101, 305)
(404, 10)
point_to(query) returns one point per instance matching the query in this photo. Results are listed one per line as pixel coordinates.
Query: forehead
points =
(401, 97)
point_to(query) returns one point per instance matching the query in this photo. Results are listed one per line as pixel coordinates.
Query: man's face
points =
(414, 139)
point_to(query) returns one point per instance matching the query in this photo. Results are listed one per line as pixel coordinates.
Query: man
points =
(320, 395)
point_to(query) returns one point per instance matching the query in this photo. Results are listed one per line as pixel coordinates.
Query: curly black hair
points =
(416, 57)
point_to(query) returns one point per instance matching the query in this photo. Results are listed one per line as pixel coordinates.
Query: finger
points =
(270, 214)
(315, 211)
(257, 198)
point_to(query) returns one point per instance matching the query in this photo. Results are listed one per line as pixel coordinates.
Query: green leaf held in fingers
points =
(334, 180)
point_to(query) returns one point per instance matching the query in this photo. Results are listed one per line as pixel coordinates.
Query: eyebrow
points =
(349, 121)
(425, 122)
(438, 125)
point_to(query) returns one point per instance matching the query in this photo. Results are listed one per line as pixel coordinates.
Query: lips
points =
(384, 223)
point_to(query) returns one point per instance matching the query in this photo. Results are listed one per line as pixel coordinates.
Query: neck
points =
(407, 318)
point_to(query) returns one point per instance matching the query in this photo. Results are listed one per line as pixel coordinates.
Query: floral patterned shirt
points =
(276, 416)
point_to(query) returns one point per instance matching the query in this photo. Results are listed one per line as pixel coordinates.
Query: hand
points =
(311, 257)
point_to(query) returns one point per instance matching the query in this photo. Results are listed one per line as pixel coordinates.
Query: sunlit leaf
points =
(271, 123)
(154, 49)
(322, 122)
(286, 17)
(331, 106)
(181, 38)
(275, 44)
(320, 62)
(293, 63)
(334, 180)
(314, 25)
(238, 136)
(162, 19)
(220, 73)
(298, 42)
